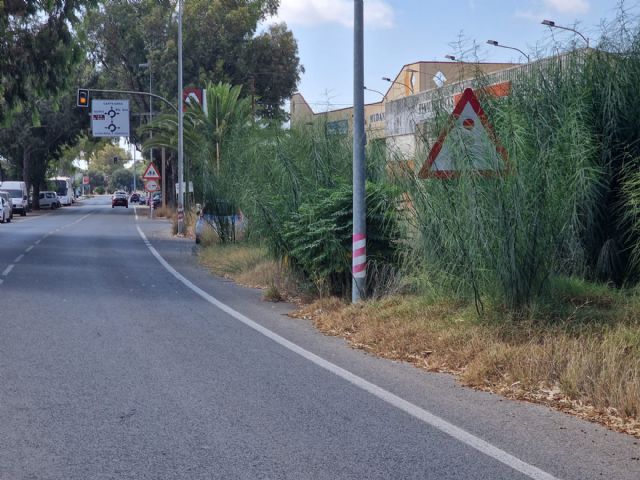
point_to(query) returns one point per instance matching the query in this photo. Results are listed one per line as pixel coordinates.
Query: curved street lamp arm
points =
(552, 24)
(387, 79)
(496, 44)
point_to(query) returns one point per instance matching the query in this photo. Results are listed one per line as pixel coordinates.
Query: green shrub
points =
(318, 237)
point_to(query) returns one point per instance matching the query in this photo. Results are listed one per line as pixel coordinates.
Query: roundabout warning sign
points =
(110, 118)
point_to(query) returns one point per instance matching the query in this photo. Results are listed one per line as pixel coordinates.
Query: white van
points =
(18, 192)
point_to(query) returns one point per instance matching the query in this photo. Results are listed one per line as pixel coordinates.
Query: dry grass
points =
(589, 369)
(251, 266)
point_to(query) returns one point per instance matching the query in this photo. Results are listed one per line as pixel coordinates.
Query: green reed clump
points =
(501, 233)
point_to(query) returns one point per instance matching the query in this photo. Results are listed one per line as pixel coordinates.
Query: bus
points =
(64, 188)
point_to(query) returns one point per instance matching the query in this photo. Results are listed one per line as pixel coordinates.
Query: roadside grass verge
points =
(577, 351)
(252, 266)
(580, 352)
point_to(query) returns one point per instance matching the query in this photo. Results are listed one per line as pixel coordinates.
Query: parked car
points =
(142, 200)
(119, 199)
(7, 199)
(18, 193)
(4, 211)
(49, 199)
(156, 198)
(134, 198)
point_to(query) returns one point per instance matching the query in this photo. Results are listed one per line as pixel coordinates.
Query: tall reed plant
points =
(501, 234)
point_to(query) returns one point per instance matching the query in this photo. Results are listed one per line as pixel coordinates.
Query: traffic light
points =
(83, 97)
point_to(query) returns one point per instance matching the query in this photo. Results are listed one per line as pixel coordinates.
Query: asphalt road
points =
(121, 359)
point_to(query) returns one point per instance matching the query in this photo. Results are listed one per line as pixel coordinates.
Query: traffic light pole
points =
(131, 92)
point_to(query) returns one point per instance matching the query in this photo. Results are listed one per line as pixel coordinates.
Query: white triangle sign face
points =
(151, 173)
(467, 144)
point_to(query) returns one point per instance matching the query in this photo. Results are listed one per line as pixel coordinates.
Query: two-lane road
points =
(121, 359)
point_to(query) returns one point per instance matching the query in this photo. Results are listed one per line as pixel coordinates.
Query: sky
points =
(398, 32)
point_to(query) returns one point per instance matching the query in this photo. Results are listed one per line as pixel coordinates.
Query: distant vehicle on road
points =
(7, 199)
(134, 198)
(18, 192)
(49, 199)
(119, 198)
(63, 188)
(4, 211)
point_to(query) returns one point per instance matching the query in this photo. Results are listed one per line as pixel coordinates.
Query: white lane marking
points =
(18, 258)
(37, 242)
(135, 212)
(425, 416)
(1, 281)
(7, 270)
(28, 249)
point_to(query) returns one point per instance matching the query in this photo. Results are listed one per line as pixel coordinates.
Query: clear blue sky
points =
(398, 32)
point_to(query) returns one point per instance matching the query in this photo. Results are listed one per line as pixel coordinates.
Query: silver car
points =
(9, 205)
(4, 211)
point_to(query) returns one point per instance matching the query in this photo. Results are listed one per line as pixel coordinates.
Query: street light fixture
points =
(378, 92)
(552, 24)
(496, 44)
(387, 79)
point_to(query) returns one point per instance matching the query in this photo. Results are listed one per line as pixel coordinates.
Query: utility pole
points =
(180, 127)
(359, 252)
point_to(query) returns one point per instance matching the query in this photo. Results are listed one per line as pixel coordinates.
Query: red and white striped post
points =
(359, 256)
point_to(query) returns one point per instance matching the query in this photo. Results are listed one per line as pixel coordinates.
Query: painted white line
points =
(7, 270)
(28, 249)
(1, 281)
(37, 242)
(427, 417)
(18, 258)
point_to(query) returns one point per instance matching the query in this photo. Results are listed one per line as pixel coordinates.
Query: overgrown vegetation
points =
(521, 277)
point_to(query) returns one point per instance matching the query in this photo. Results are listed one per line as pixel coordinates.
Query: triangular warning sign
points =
(468, 143)
(151, 173)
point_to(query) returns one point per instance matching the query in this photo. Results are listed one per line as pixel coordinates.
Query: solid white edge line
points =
(7, 270)
(429, 418)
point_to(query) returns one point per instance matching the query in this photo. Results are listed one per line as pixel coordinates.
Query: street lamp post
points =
(359, 239)
(496, 44)
(552, 24)
(387, 79)
(148, 66)
(180, 127)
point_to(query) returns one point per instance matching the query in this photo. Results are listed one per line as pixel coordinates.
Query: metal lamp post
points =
(180, 127)
(359, 245)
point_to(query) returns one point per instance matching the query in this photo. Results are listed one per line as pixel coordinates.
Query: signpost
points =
(151, 186)
(151, 177)
(475, 139)
(110, 118)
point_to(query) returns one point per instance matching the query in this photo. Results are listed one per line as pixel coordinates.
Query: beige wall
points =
(410, 80)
